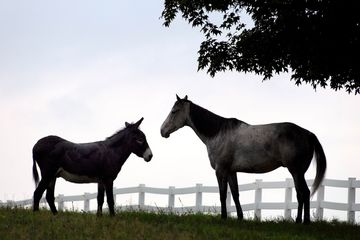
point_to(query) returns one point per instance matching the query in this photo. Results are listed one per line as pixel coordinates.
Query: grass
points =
(24, 224)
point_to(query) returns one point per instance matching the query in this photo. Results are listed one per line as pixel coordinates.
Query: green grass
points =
(24, 224)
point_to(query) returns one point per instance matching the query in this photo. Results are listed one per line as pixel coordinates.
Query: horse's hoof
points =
(298, 220)
(306, 221)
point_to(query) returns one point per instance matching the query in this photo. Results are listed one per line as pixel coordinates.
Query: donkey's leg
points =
(222, 181)
(100, 198)
(50, 198)
(235, 193)
(43, 184)
(110, 197)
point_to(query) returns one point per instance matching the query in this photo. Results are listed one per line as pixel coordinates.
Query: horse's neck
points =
(205, 123)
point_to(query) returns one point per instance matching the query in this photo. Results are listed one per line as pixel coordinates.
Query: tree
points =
(317, 40)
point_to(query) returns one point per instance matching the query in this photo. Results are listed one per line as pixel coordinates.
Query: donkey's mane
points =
(118, 136)
(118, 132)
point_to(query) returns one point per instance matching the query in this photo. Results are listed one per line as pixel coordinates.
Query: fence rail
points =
(288, 205)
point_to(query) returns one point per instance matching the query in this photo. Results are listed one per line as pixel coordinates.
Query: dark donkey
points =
(235, 146)
(96, 162)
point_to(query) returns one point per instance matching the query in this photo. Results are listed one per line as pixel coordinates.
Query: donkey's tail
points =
(320, 164)
(35, 172)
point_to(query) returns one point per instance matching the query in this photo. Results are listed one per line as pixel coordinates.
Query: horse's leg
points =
(299, 198)
(110, 196)
(43, 184)
(235, 193)
(100, 198)
(222, 181)
(306, 199)
(303, 197)
(50, 198)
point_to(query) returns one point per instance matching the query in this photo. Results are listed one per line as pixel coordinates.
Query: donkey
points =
(235, 146)
(96, 162)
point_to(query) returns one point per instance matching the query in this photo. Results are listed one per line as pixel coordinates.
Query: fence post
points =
(351, 201)
(288, 199)
(61, 202)
(141, 196)
(228, 201)
(198, 204)
(171, 201)
(320, 199)
(10, 203)
(86, 202)
(114, 196)
(258, 196)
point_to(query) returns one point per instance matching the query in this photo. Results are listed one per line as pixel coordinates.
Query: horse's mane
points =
(209, 123)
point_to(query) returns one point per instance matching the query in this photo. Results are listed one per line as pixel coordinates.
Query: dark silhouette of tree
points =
(317, 40)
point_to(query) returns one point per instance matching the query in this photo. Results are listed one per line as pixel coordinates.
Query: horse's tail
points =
(34, 170)
(320, 164)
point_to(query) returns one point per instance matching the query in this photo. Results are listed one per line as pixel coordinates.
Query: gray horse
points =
(235, 146)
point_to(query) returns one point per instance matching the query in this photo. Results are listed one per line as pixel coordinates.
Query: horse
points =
(95, 162)
(236, 146)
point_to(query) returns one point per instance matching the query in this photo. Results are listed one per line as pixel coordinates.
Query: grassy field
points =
(24, 224)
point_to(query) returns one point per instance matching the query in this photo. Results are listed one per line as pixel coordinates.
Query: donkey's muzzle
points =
(147, 155)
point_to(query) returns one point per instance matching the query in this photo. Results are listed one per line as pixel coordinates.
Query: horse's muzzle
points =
(165, 134)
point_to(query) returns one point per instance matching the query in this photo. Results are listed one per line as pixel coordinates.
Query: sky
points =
(80, 69)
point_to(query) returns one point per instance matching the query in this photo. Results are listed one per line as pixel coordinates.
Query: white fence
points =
(287, 205)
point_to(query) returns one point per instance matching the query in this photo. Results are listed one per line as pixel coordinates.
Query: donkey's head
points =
(138, 144)
(177, 117)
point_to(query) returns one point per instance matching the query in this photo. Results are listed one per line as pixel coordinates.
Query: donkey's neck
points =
(205, 123)
(119, 144)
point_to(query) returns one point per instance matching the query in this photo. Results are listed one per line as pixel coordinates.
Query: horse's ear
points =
(178, 98)
(137, 124)
(186, 97)
(127, 124)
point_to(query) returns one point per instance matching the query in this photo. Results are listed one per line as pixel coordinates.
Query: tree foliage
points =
(317, 40)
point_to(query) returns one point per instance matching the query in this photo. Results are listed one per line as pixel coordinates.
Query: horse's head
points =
(138, 143)
(177, 117)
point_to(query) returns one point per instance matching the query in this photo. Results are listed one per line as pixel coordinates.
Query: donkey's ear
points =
(127, 124)
(137, 124)
(178, 98)
(186, 97)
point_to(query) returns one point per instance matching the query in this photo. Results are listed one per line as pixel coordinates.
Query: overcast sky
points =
(80, 69)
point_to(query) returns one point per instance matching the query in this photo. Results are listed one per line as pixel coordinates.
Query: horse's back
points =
(274, 131)
(262, 148)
